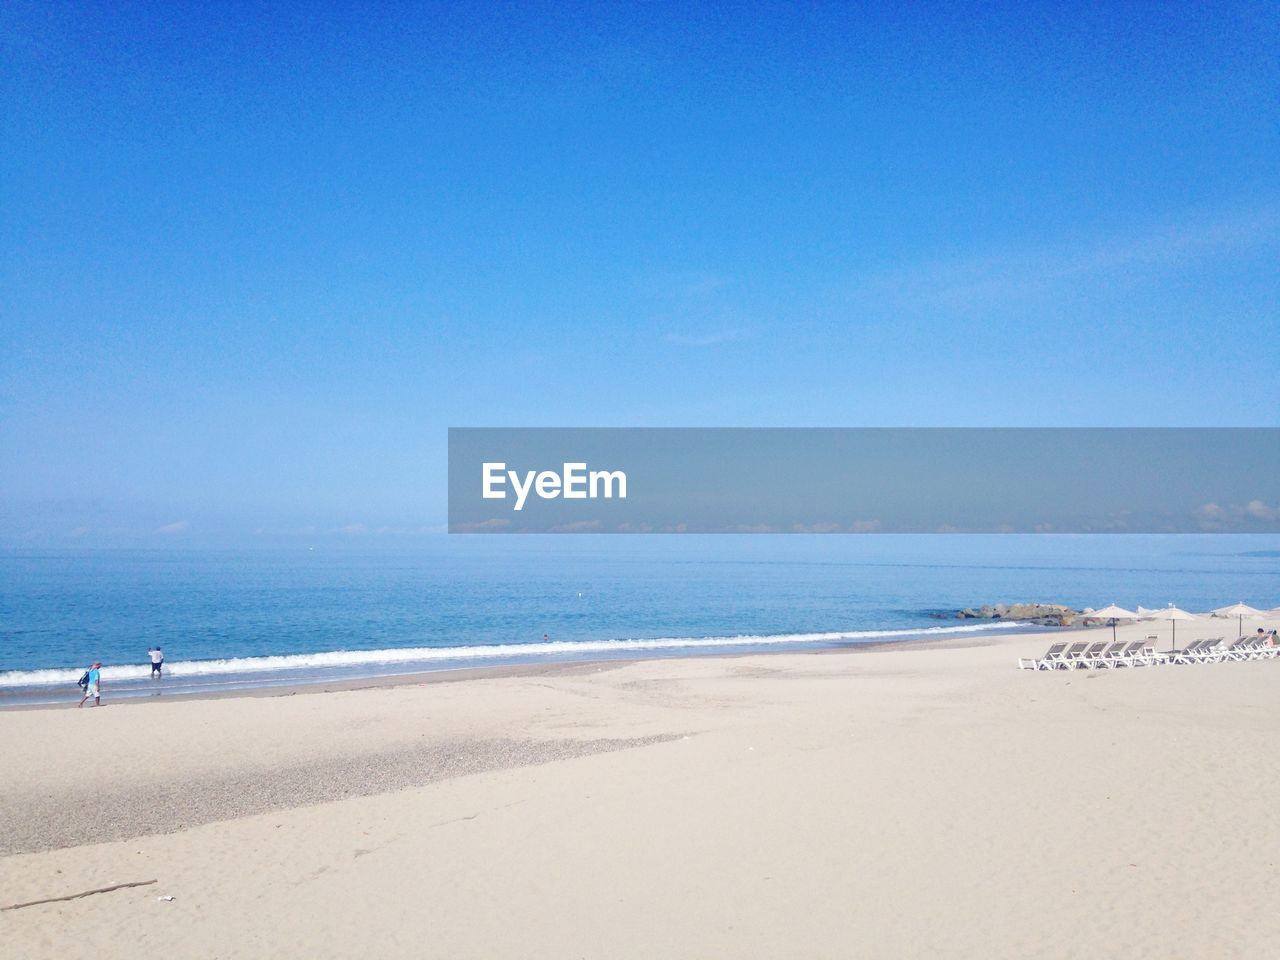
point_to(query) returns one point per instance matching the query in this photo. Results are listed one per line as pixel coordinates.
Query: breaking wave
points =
(425, 656)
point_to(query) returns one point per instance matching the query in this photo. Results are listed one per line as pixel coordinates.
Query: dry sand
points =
(922, 801)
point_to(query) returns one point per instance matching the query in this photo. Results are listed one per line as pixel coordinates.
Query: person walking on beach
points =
(157, 661)
(92, 688)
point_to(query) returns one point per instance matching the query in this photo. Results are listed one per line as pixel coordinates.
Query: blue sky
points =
(255, 263)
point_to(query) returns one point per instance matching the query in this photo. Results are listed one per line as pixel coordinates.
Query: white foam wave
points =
(339, 659)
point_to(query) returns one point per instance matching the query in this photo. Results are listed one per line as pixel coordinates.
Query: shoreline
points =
(549, 667)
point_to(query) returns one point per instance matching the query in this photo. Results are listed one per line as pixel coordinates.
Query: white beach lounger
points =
(1241, 649)
(1213, 651)
(1148, 655)
(1255, 649)
(1048, 662)
(1265, 649)
(1151, 653)
(1073, 657)
(1065, 659)
(1190, 653)
(1132, 654)
(1112, 656)
(1129, 654)
(1092, 657)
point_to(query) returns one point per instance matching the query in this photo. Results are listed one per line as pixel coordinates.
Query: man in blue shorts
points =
(92, 689)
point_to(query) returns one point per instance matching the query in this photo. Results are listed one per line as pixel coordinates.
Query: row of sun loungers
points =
(1107, 654)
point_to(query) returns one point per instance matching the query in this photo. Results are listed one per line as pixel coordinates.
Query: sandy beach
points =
(920, 800)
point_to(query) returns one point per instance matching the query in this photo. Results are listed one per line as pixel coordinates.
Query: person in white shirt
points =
(157, 661)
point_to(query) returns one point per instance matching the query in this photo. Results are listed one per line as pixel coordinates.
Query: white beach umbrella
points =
(1239, 610)
(1172, 614)
(1112, 613)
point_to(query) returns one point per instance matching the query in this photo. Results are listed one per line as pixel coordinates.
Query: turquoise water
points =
(245, 617)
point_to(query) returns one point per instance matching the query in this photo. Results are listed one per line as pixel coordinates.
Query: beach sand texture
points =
(924, 800)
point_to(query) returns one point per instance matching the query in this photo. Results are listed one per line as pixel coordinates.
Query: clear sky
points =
(256, 259)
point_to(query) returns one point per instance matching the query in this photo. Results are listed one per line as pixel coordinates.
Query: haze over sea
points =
(240, 618)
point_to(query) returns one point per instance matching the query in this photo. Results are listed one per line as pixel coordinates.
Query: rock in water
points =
(1045, 614)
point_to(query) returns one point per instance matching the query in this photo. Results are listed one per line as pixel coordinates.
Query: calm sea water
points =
(246, 617)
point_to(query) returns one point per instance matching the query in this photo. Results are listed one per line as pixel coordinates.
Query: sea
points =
(242, 618)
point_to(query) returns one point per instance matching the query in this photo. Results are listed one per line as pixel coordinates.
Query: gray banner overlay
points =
(837, 480)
